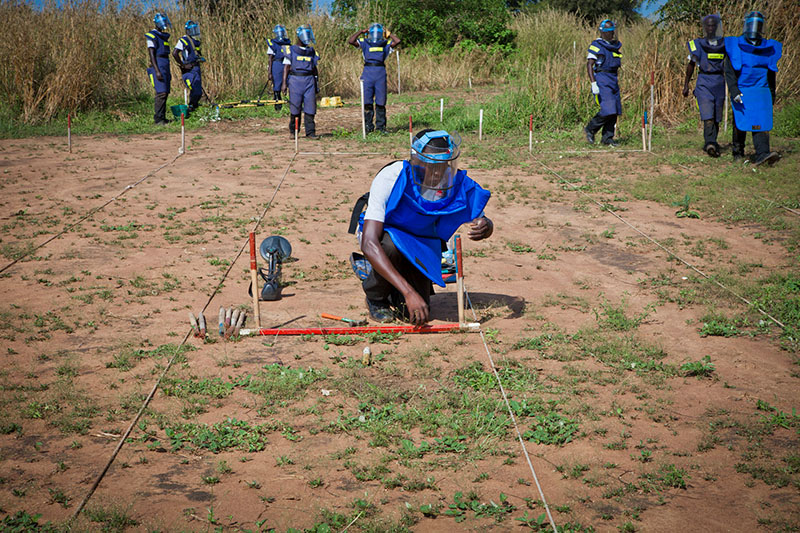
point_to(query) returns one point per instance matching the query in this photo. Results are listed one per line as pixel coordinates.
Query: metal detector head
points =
(275, 243)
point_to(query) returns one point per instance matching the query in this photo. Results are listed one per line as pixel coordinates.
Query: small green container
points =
(177, 110)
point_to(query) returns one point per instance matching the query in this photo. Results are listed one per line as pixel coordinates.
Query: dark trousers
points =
(276, 95)
(378, 289)
(760, 142)
(311, 127)
(160, 107)
(606, 123)
(379, 113)
(710, 132)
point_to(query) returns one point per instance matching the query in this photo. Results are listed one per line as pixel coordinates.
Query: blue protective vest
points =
(709, 58)
(280, 48)
(609, 58)
(418, 226)
(191, 49)
(374, 54)
(162, 45)
(304, 60)
(751, 63)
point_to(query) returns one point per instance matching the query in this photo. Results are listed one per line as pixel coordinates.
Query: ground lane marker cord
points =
(661, 246)
(157, 384)
(513, 418)
(87, 215)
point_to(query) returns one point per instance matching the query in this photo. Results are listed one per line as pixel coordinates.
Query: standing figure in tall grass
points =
(750, 69)
(159, 73)
(300, 79)
(278, 50)
(188, 55)
(602, 63)
(709, 54)
(376, 48)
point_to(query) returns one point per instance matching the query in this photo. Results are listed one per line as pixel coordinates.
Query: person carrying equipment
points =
(300, 70)
(414, 206)
(159, 73)
(375, 48)
(188, 55)
(602, 63)
(278, 50)
(709, 54)
(751, 65)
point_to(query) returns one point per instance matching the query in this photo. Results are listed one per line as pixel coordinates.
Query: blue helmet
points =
(753, 25)
(161, 21)
(375, 33)
(192, 29)
(607, 25)
(434, 163)
(306, 34)
(280, 32)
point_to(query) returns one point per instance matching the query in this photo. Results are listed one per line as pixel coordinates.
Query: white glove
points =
(738, 99)
(595, 88)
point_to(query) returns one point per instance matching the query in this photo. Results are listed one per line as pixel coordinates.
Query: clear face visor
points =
(280, 33)
(161, 22)
(712, 27)
(753, 26)
(435, 167)
(608, 30)
(375, 33)
(306, 35)
(193, 31)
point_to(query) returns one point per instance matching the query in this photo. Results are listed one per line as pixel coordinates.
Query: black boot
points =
(380, 118)
(293, 121)
(710, 131)
(160, 108)
(311, 128)
(763, 153)
(593, 127)
(368, 114)
(276, 95)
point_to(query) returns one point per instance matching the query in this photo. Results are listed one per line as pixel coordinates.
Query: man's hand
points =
(418, 311)
(159, 77)
(685, 91)
(595, 88)
(481, 228)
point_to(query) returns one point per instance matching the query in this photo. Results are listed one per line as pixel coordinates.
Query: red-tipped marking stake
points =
(254, 279)
(459, 281)
(69, 131)
(530, 135)
(429, 328)
(410, 134)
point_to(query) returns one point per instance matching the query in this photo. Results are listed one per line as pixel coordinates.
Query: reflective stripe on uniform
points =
(152, 81)
(376, 49)
(692, 47)
(304, 58)
(616, 54)
(188, 83)
(716, 56)
(593, 48)
(150, 35)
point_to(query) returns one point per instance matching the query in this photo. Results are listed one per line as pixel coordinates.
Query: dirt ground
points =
(124, 281)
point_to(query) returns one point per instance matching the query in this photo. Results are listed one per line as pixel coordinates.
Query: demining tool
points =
(350, 321)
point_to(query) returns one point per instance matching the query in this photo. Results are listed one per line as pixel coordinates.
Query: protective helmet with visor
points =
(306, 34)
(712, 26)
(192, 29)
(375, 33)
(280, 32)
(607, 27)
(161, 22)
(434, 164)
(753, 26)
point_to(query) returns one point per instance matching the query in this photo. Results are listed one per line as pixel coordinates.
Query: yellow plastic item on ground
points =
(331, 101)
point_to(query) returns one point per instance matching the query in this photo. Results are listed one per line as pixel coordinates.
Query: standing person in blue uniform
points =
(751, 65)
(158, 72)
(602, 63)
(278, 50)
(188, 55)
(709, 54)
(300, 79)
(413, 207)
(376, 48)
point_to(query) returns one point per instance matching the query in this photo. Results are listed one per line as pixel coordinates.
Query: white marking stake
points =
(480, 125)
(363, 118)
(441, 110)
(397, 56)
(183, 136)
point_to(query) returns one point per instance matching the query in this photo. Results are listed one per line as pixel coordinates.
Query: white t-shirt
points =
(380, 190)
(179, 45)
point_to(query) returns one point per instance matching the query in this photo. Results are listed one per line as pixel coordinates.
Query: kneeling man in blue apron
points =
(709, 54)
(188, 55)
(376, 48)
(414, 206)
(158, 72)
(750, 69)
(300, 79)
(602, 63)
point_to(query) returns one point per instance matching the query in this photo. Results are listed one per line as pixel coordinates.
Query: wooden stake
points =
(480, 125)
(530, 135)
(397, 56)
(652, 118)
(725, 111)
(410, 132)
(459, 281)
(69, 131)
(644, 133)
(296, 132)
(183, 136)
(441, 110)
(363, 118)
(254, 279)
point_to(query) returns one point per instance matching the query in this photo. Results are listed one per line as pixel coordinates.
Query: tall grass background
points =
(80, 56)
